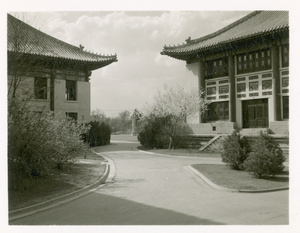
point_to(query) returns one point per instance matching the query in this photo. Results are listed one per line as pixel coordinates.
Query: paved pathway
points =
(158, 190)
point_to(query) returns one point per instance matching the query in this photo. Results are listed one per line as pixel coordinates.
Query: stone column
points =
(201, 83)
(276, 82)
(133, 125)
(232, 95)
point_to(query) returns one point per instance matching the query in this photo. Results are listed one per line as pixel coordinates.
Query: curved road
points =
(151, 189)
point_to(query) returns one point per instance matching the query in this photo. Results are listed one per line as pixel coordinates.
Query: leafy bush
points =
(235, 150)
(266, 159)
(38, 142)
(98, 134)
(158, 131)
(151, 135)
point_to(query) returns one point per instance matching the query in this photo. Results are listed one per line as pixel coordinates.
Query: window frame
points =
(72, 116)
(40, 88)
(71, 95)
(285, 108)
(216, 68)
(285, 53)
(253, 61)
(216, 116)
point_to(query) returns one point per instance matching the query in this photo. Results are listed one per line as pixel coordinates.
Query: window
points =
(285, 107)
(285, 55)
(216, 68)
(40, 88)
(71, 115)
(70, 90)
(254, 61)
(218, 111)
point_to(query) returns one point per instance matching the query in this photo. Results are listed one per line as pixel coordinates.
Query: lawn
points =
(225, 177)
(80, 174)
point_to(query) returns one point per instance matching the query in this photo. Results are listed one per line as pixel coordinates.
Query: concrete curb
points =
(112, 171)
(29, 210)
(177, 156)
(166, 155)
(215, 186)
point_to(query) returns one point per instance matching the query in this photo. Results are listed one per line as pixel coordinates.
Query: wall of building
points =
(26, 90)
(82, 104)
(261, 85)
(191, 82)
(192, 74)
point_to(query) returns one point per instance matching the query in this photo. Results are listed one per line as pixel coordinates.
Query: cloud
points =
(137, 38)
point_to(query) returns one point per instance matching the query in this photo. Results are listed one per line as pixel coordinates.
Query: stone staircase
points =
(282, 140)
(215, 143)
(196, 141)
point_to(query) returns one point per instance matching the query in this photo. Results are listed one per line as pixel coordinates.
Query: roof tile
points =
(33, 41)
(255, 23)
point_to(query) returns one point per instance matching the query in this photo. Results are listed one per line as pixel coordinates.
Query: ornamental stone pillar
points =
(232, 95)
(276, 83)
(133, 125)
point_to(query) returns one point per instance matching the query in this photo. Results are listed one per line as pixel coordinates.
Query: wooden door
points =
(255, 114)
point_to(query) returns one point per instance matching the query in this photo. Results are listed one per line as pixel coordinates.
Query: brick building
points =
(54, 74)
(244, 70)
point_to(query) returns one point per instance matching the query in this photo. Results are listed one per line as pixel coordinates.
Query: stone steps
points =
(196, 141)
(215, 144)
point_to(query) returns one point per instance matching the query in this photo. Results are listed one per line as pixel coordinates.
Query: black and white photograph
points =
(149, 116)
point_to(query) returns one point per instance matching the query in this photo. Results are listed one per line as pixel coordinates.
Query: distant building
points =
(244, 70)
(53, 73)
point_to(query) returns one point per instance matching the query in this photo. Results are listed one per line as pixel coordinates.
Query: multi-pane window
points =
(71, 115)
(216, 68)
(40, 88)
(218, 111)
(285, 107)
(71, 90)
(254, 61)
(285, 55)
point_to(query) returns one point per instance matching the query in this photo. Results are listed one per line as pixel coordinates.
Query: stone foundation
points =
(213, 128)
(279, 127)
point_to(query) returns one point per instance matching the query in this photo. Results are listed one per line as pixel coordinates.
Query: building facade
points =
(53, 74)
(244, 70)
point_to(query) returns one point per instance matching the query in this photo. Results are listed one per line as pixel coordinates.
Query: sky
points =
(137, 37)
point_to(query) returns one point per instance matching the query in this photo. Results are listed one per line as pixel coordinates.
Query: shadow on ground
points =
(84, 211)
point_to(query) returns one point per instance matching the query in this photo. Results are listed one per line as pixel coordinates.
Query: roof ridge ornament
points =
(81, 47)
(188, 40)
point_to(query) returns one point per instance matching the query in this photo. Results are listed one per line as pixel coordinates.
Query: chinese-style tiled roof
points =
(24, 38)
(253, 24)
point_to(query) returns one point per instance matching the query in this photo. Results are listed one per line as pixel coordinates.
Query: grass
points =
(225, 177)
(80, 174)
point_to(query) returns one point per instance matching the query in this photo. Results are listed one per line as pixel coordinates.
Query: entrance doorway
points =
(255, 113)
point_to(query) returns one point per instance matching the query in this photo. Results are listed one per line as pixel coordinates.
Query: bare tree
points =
(175, 106)
(99, 115)
(23, 49)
